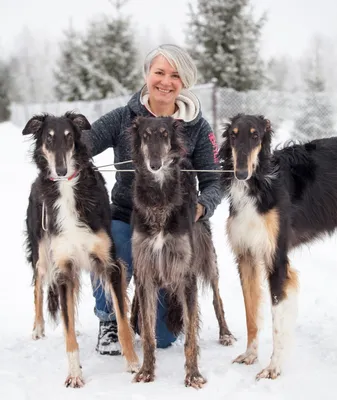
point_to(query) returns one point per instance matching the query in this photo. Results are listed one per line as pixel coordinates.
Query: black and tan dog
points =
(68, 231)
(278, 201)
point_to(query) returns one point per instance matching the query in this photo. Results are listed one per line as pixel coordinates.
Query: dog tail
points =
(204, 254)
(53, 302)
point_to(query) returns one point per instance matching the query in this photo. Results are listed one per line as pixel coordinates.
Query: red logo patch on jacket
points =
(212, 139)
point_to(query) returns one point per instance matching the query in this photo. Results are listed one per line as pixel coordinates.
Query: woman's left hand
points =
(199, 212)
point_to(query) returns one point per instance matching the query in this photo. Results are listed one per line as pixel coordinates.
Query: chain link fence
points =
(296, 115)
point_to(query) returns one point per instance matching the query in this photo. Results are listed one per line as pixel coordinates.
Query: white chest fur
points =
(75, 241)
(247, 229)
(166, 257)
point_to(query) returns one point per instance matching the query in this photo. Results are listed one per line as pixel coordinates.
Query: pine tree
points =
(72, 78)
(111, 56)
(31, 66)
(101, 63)
(223, 38)
(4, 92)
(278, 73)
(317, 117)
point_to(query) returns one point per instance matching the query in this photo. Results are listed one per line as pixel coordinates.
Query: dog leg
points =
(68, 293)
(135, 320)
(114, 277)
(38, 329)
(191, 322)
(225, 336)
(117, 282)
(283, 290)
(148, 308)
(250, 276)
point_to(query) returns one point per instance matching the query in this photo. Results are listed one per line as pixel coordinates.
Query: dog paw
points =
(195, 380)
(227, 340)
(269, 373)
(74, 381)
(38, 331)
(247, 358)
(144, 376)
(133, 367)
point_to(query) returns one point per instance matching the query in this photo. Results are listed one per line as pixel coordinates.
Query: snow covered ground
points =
(37, 369)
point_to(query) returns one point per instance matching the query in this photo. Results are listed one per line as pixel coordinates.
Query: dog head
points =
(56, 142)
(156, 142)
(247, 139)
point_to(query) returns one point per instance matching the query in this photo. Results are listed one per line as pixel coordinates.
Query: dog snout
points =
(241, 174)
(61, 171)
(155, 165)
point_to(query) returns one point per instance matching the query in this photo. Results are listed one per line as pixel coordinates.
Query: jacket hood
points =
(187, 102)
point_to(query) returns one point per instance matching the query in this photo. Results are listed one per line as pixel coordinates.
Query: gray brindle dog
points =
(170, 250)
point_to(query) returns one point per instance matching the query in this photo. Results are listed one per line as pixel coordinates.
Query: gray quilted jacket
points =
(201, 148)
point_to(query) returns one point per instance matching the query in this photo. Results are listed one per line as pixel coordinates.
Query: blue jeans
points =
(121, 233)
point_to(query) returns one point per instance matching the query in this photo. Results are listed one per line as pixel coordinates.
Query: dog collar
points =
(61, 178)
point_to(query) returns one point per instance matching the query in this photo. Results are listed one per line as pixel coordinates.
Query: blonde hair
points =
(178, 58)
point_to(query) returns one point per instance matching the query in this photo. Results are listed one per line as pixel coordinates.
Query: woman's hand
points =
(199, 212)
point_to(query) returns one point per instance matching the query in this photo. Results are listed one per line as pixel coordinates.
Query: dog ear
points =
(177, 124)
(267, 124)
(177, 138)
(79, 120)
(226, 127)
(135, 139)
(230, 122)
(34, 125)
(137, 121)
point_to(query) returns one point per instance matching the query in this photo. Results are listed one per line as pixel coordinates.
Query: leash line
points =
(132, 170)
(111, 165)
(183, 170)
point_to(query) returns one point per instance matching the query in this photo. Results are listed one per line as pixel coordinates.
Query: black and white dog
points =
(278, 201)
(170, 250)
(68, 230)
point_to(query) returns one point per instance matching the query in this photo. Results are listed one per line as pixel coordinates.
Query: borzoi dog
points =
(169, 249)
(278, 201)
(68, 230)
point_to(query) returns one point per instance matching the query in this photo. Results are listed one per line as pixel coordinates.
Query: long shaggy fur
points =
(68, 231)
(300, 178)
(278, 201)
(170, 250)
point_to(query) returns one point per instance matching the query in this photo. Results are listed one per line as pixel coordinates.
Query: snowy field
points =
(37, 369)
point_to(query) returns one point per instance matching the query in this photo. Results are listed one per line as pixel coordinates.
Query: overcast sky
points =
(288, 30)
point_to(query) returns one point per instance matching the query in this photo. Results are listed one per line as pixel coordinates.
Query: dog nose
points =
(241, 174)
(61, 171)
(155, 165)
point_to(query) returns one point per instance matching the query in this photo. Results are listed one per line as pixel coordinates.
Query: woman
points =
(169, 72)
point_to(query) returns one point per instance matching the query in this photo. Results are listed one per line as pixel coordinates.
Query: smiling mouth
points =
(163, 90)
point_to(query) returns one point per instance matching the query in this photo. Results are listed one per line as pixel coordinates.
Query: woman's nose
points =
(166, 79)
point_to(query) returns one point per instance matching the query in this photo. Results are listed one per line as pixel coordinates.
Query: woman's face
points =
(163, 82)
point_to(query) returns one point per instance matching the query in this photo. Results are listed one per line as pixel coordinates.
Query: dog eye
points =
(49, 138)
(255, 136)
(233, 136)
